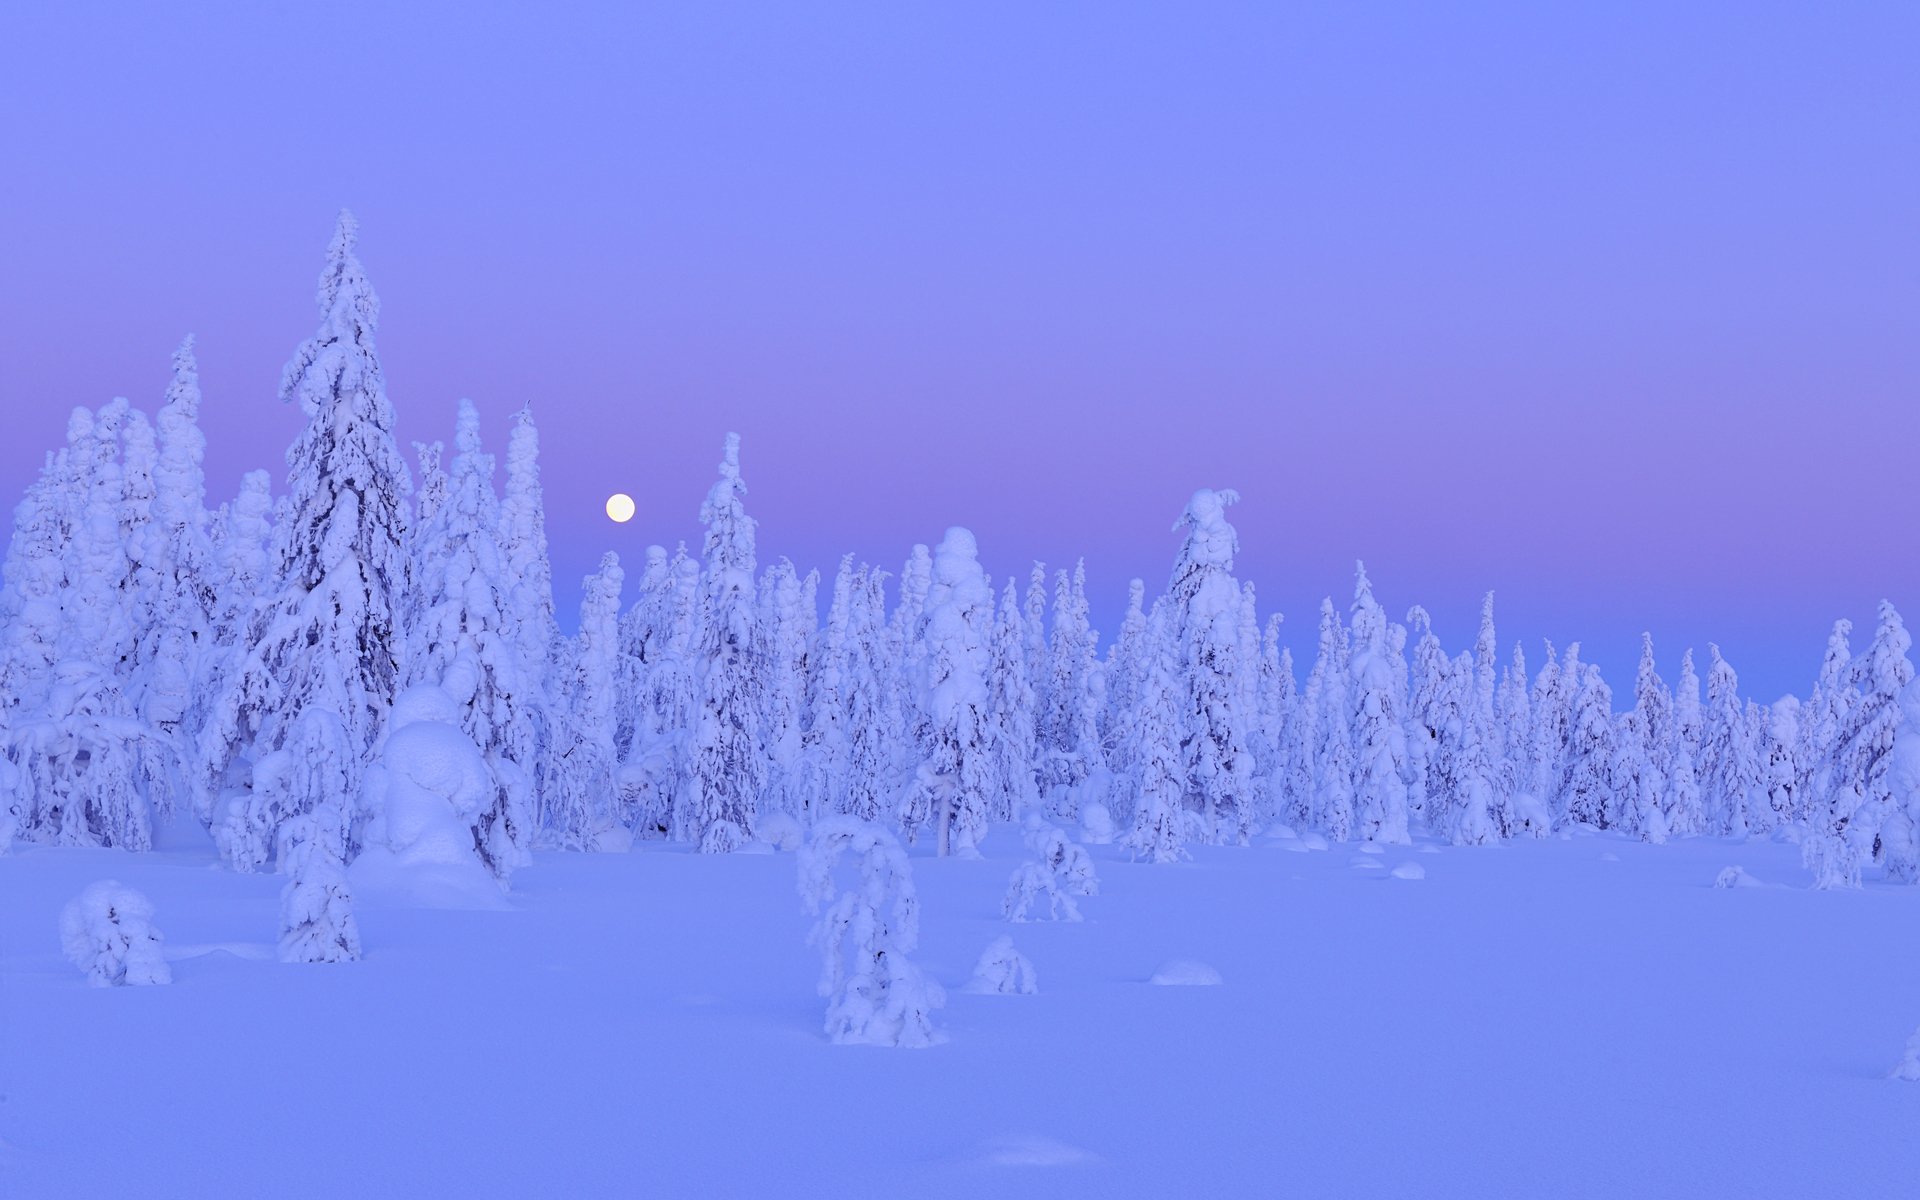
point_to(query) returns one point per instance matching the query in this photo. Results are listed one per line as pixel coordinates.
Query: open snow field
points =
(1584, 1017)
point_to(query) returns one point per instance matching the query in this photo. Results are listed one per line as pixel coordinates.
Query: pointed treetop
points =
(466, 429)
(345, 297)
(730, 463)
(1362, 587)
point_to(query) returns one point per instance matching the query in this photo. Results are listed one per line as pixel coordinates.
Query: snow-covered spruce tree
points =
(1881, 674)
(1161, 822)
(874, 719)
(1485, 812)
(786, 624)
(952, 790)
(180, 558)
(727, 766)
(1205, 612)
(523, 543)
(1276, 710)
(30, 600)
(1638, 787)
(1779, 792)
(906, 628)
(1549, 706)
(1059, 871)
(462, 625)
(1900, 825)
(656, 685)
(108, 932)
(1588, 786)
(433, 482)
(1004, 971)
(1068, 730)
(875, 994)
(1010, 705)
(1379, 732)
(1683, 804)
(1729, 760)
(1333, 751)
(316, 906)
(1530, 816)
(1829, 710)
(326, 639)
(578, 790)
(1121, 676)
(1652, 732)
(1430, 700)
(826, 743)
(84, 769)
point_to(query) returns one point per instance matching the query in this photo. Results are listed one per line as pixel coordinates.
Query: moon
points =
(620, 507)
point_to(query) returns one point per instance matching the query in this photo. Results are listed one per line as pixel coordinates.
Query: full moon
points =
(620, 507)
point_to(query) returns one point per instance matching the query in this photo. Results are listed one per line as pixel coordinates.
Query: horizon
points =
(1575, 372)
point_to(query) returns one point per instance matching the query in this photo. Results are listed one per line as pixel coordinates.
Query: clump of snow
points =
(1282, 831)
(1096, 824)
(1185, 972)
(107, 931)
(1409, 870)
(1609, 856)
(1373, 848)
(780, 830)
(1062, 871)
(1359, 863)
(1313, 841)
(1909, 1065)
(875, 995)
(1735, 877)
(1003, 971)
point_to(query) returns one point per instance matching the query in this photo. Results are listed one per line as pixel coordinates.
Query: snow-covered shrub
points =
(1735, 877)
(107, 931)
(1184, 972)
(1004, 971)
(424, 794)
(1833, 861)
(1062, 871)
(722, 837)
(875, 996)
(780, 830)
(1096, 824)
(1909, 1065)
(316, 907)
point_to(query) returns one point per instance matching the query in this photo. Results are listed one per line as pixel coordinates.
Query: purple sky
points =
(1614, 313)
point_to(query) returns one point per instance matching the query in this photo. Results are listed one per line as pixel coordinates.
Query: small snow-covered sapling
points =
(107, 931)
(1062, 871)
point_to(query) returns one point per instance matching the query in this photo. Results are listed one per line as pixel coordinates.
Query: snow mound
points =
(1096, 825)
(1185, 972)
(381, 878)
(107, 931)
(1034, 1152)
(1409, 870)
(1283, 832)
(1429, 848)
(1313, 841)
(1373, 848)
(1609, 856)
(1003, 971)
(1735, 877)
(1365, 864)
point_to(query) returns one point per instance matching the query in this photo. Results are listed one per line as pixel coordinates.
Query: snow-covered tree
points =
(180, 557)
(463, 636)
(786, 624)
(1484, 813)
(1205, 604)
(875, 994)
(316, 906)
(1590, 754)
(1683, 802)
(1011, 711)
(1779, 794)
(578, 791)
(728, 761)
(1004, 971)
(1729, 760)
(1161, 821)
(108, 932)
(1880, 675)
(874, 714)
(952, 790)
(326, 640)
(1377, 724)
(1333, 751)
(1059, 871)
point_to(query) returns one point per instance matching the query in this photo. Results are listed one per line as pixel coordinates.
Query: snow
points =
(1765, 1029)
(1182, 972)
(1409, 871)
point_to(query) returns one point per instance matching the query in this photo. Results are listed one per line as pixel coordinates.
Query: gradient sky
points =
(1609, 307)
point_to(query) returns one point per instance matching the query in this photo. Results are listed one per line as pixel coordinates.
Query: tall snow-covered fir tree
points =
(1379, 734)
(463, 636)
(727, 761)
(952, 791)
(1162, 823)
(1729, 765)
(1483, 811)
(1328, 688)
(326, 639)
(577, 792)
(1205, 620)
(180, 554)
(1010, 705)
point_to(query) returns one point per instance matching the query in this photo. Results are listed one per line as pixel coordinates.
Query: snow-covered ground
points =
(1581, 1017)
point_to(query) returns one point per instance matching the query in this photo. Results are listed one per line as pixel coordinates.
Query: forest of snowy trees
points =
(366, 664)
